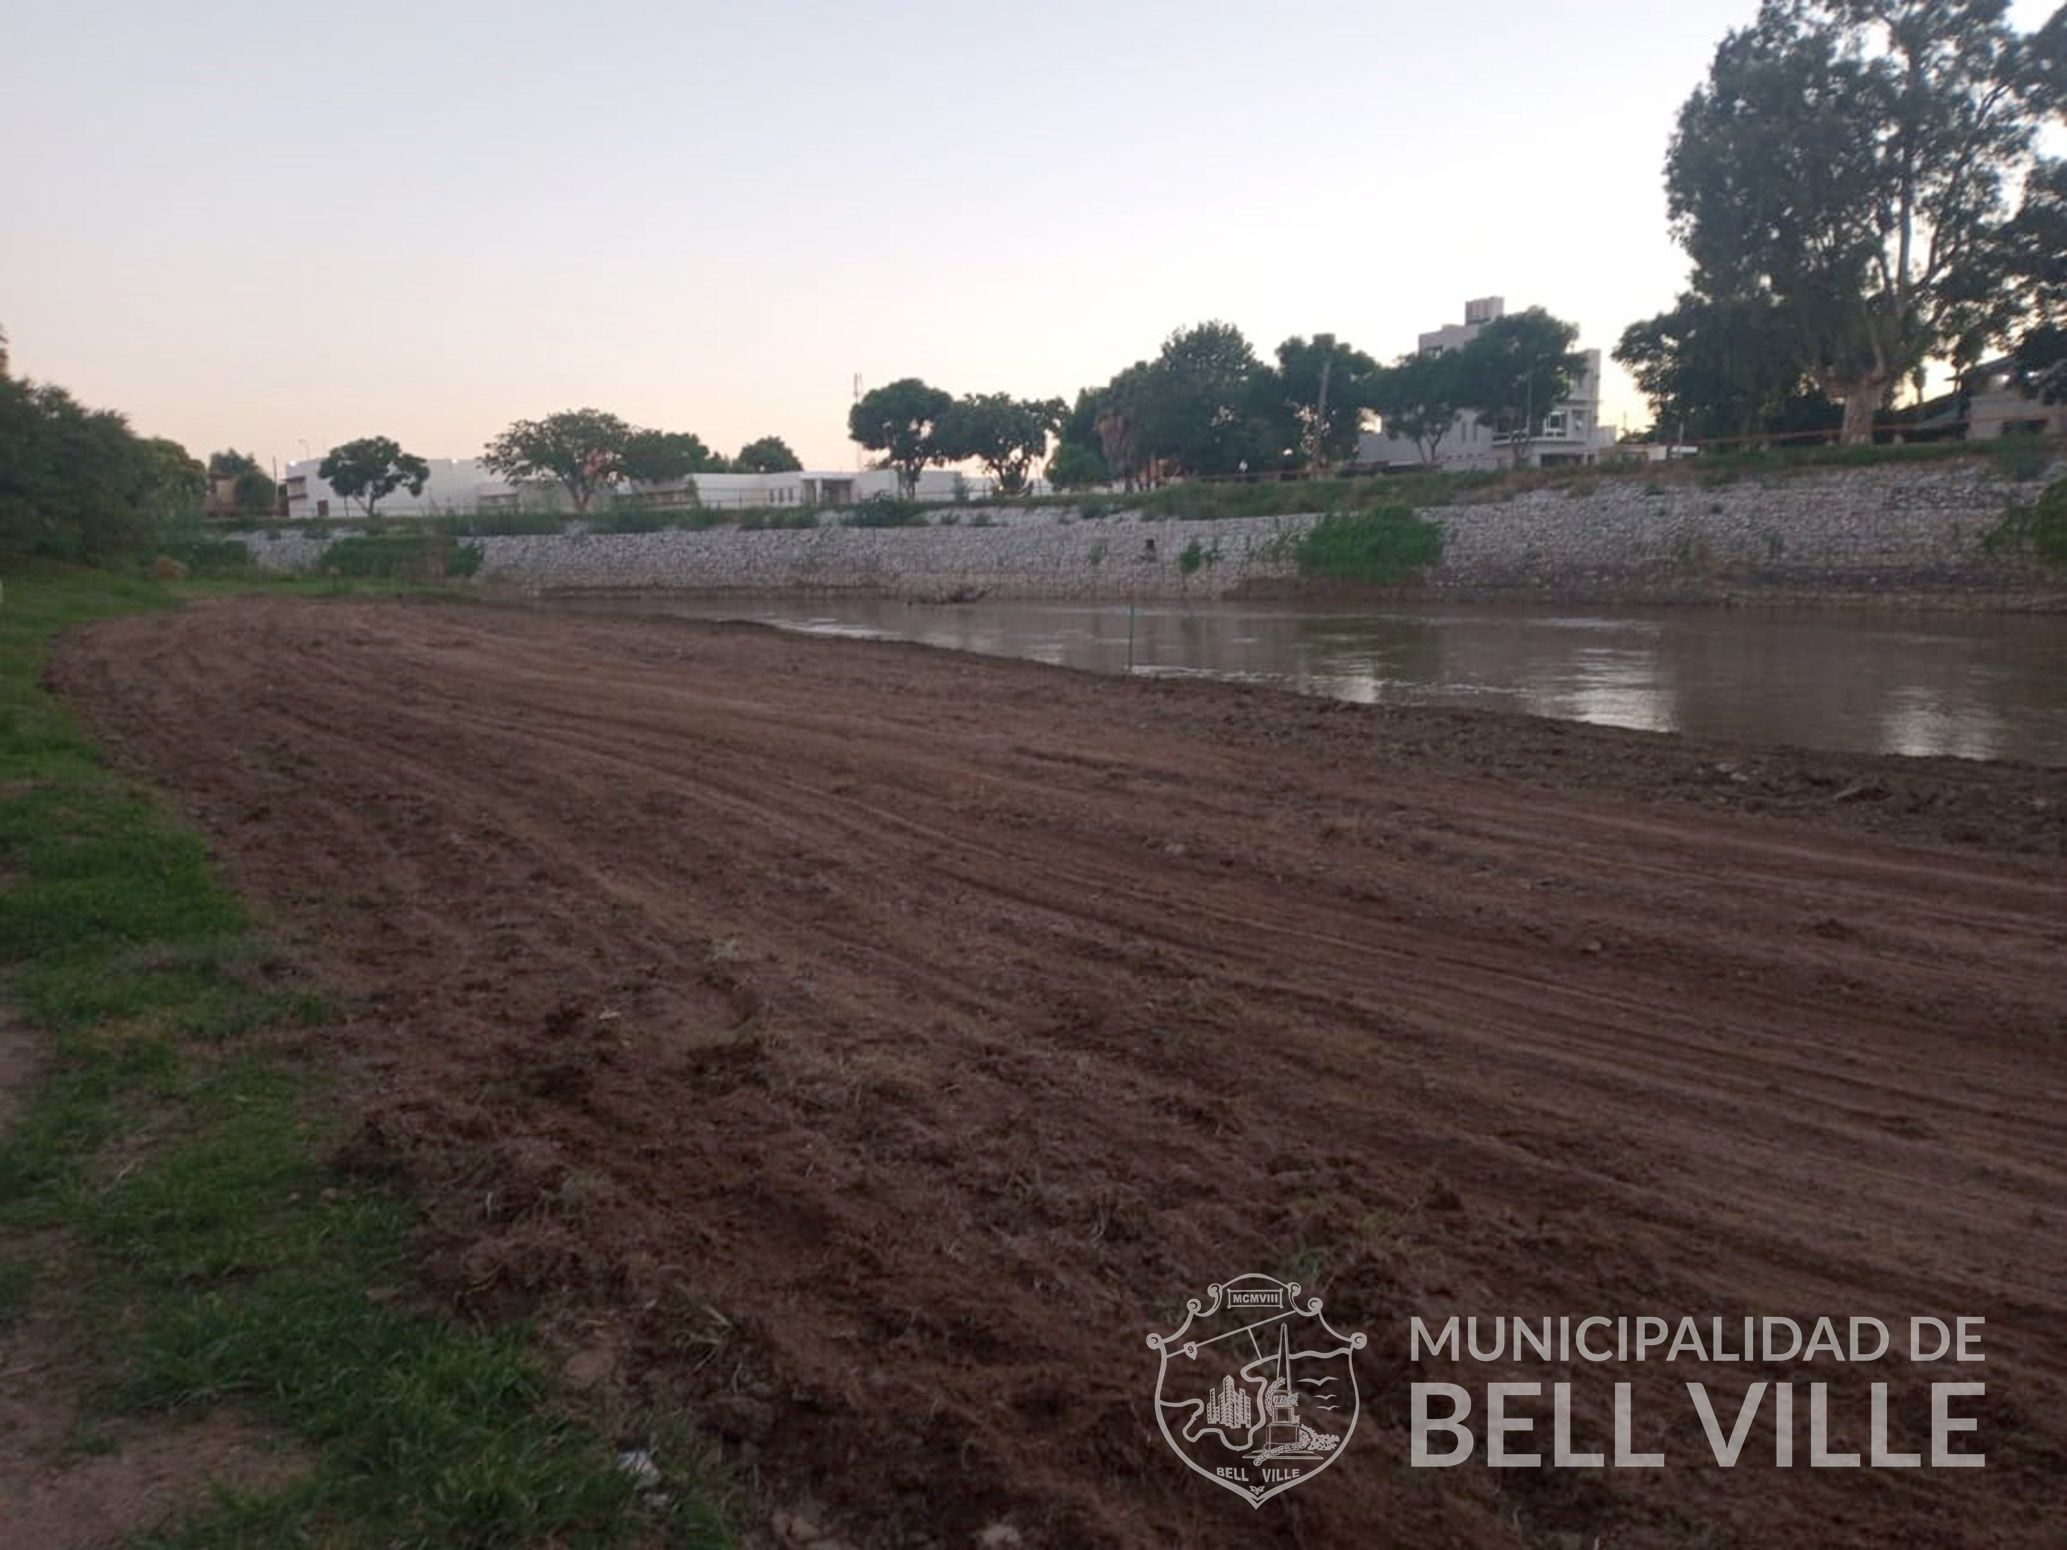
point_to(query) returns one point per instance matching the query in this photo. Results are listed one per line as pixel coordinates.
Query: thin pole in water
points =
(1130, 639)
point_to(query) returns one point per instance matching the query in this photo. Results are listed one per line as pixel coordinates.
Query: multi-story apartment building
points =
(1566, 432)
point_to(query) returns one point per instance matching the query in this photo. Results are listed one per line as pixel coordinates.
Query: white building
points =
(804, 487)
(1568, 432)
(455, 484)
(462, 485)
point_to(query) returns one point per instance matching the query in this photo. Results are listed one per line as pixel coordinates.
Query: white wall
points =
(455, 484)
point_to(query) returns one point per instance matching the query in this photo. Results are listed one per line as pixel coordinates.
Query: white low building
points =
(804, 487)
(1568, 432)
(456, 484)
(462, 486)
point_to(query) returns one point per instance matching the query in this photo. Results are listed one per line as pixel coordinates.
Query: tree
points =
(1321, 391)
(1078, 460)
(582, 449)
(75, 483)
(252, 491)
(1006, 435)
(1116, 424)
(1418, 399)
(178, 480)
(1849, 160)
(2032, 259)
(1516, 370)
(1723, 370)
(665, 457)
(1201, 407)
(898, 420)
(1077, 467)
(769, 455)
(371, 469)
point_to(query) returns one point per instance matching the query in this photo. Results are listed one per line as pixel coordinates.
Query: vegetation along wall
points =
(1891, 531)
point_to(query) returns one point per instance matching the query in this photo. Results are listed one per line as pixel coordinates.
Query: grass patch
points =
(1378, 548)
(883, 511)
(211, 557)
(2039, 530)
(2022, 458)
(165, 1195)
(417, 556)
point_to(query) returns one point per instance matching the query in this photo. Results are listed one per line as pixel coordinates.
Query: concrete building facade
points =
(1567, 432)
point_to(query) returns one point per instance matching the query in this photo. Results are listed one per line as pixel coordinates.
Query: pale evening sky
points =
(283, 225)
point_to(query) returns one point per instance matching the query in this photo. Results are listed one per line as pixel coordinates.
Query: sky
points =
(281, 226)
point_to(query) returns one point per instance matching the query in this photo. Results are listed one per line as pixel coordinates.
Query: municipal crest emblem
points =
(1256, 1391)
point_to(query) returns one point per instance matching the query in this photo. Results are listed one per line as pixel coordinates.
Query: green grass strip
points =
(164, 1193)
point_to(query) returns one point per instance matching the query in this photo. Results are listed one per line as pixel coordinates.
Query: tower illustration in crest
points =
(1281, 1403)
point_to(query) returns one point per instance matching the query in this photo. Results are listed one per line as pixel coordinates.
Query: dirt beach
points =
(867, 1047)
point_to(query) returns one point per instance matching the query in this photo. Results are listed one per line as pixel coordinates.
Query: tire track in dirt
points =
(877, 1042)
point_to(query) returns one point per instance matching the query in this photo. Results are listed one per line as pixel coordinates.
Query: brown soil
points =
(870, 1046)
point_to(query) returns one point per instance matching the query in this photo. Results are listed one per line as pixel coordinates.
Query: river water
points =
(1974, 686)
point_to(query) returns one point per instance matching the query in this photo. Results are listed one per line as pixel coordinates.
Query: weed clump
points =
(400, 557)
(2039, 529)
(1379, 548)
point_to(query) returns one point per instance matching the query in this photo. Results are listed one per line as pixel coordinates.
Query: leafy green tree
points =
(2032, 260)
(1517, 369)
(178, 480)
(768, 455)
(1418, 399)
(1202, 406)
(252, 491)
(1006, 435)
(1320, 393)
(1723, 370)
(898, 420)
(1117, 424)
(1079, 458)
(664, 457)
(580, 449)
(75, 483)
(371, 469)
(1075, 466)
(1849, 160)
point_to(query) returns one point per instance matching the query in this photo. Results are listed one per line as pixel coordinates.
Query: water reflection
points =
(1980, 687)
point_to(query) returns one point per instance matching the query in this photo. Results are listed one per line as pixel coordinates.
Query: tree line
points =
(1860, 187)
(1207, 405)
(78, 483)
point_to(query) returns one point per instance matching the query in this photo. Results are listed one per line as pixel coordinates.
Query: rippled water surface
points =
(1983, 687)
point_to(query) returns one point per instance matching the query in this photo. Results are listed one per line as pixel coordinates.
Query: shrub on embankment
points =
(2039, 529)
(420, 556)
(1377, 548)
